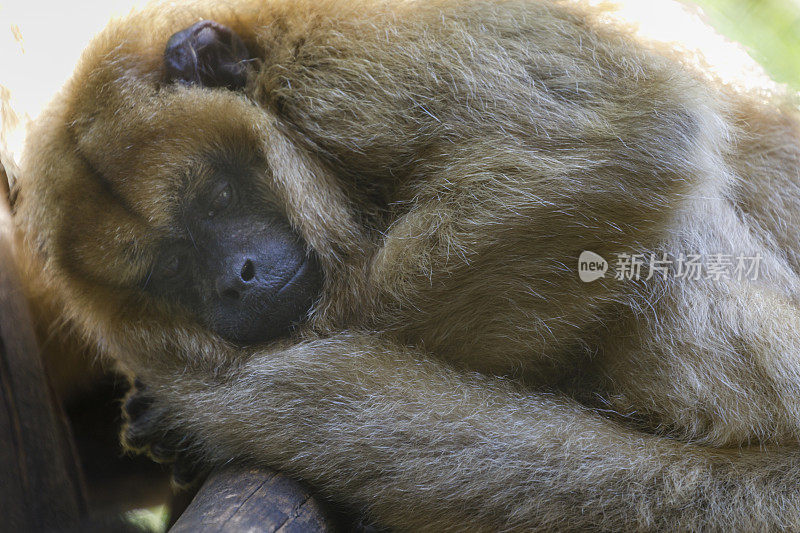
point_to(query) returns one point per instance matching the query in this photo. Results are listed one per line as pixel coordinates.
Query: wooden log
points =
(40, 487)
(236, 499)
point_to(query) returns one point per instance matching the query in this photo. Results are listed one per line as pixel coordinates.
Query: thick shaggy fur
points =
(449, 160)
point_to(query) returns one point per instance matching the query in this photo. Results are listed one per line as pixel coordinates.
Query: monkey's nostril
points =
(248, 271)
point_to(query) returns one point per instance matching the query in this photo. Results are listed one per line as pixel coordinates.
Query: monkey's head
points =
(163, 206)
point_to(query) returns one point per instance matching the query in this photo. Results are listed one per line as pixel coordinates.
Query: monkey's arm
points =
(421, 446)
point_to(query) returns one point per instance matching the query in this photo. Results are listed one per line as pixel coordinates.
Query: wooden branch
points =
(237, 499)
(40, 487)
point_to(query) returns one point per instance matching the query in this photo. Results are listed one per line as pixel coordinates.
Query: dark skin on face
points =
(240, 267)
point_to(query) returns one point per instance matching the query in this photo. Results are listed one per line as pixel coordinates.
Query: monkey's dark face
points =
(239, 266)
(185, 218)
(168, 203)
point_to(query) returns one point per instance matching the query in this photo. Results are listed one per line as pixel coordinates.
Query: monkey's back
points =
(542, 80)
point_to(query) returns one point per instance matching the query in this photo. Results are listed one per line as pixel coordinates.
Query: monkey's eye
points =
(170, 265)
(220, 199)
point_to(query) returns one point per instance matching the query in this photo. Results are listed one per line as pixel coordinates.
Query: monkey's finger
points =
(134, 438)
(144, 430)
(207, 54)
(187, 473)
(163, 453)
(136, 405)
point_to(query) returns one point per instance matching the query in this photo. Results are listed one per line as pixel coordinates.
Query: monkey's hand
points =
(146, 431)
(206, 54)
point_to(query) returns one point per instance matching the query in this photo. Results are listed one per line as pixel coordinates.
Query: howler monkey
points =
(342, 239)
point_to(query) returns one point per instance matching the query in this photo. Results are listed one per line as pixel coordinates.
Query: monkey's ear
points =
(207, 54)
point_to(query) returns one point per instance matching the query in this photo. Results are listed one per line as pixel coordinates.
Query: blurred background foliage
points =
(769, 30)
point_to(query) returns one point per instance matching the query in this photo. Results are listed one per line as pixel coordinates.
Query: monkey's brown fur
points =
(448, 161)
